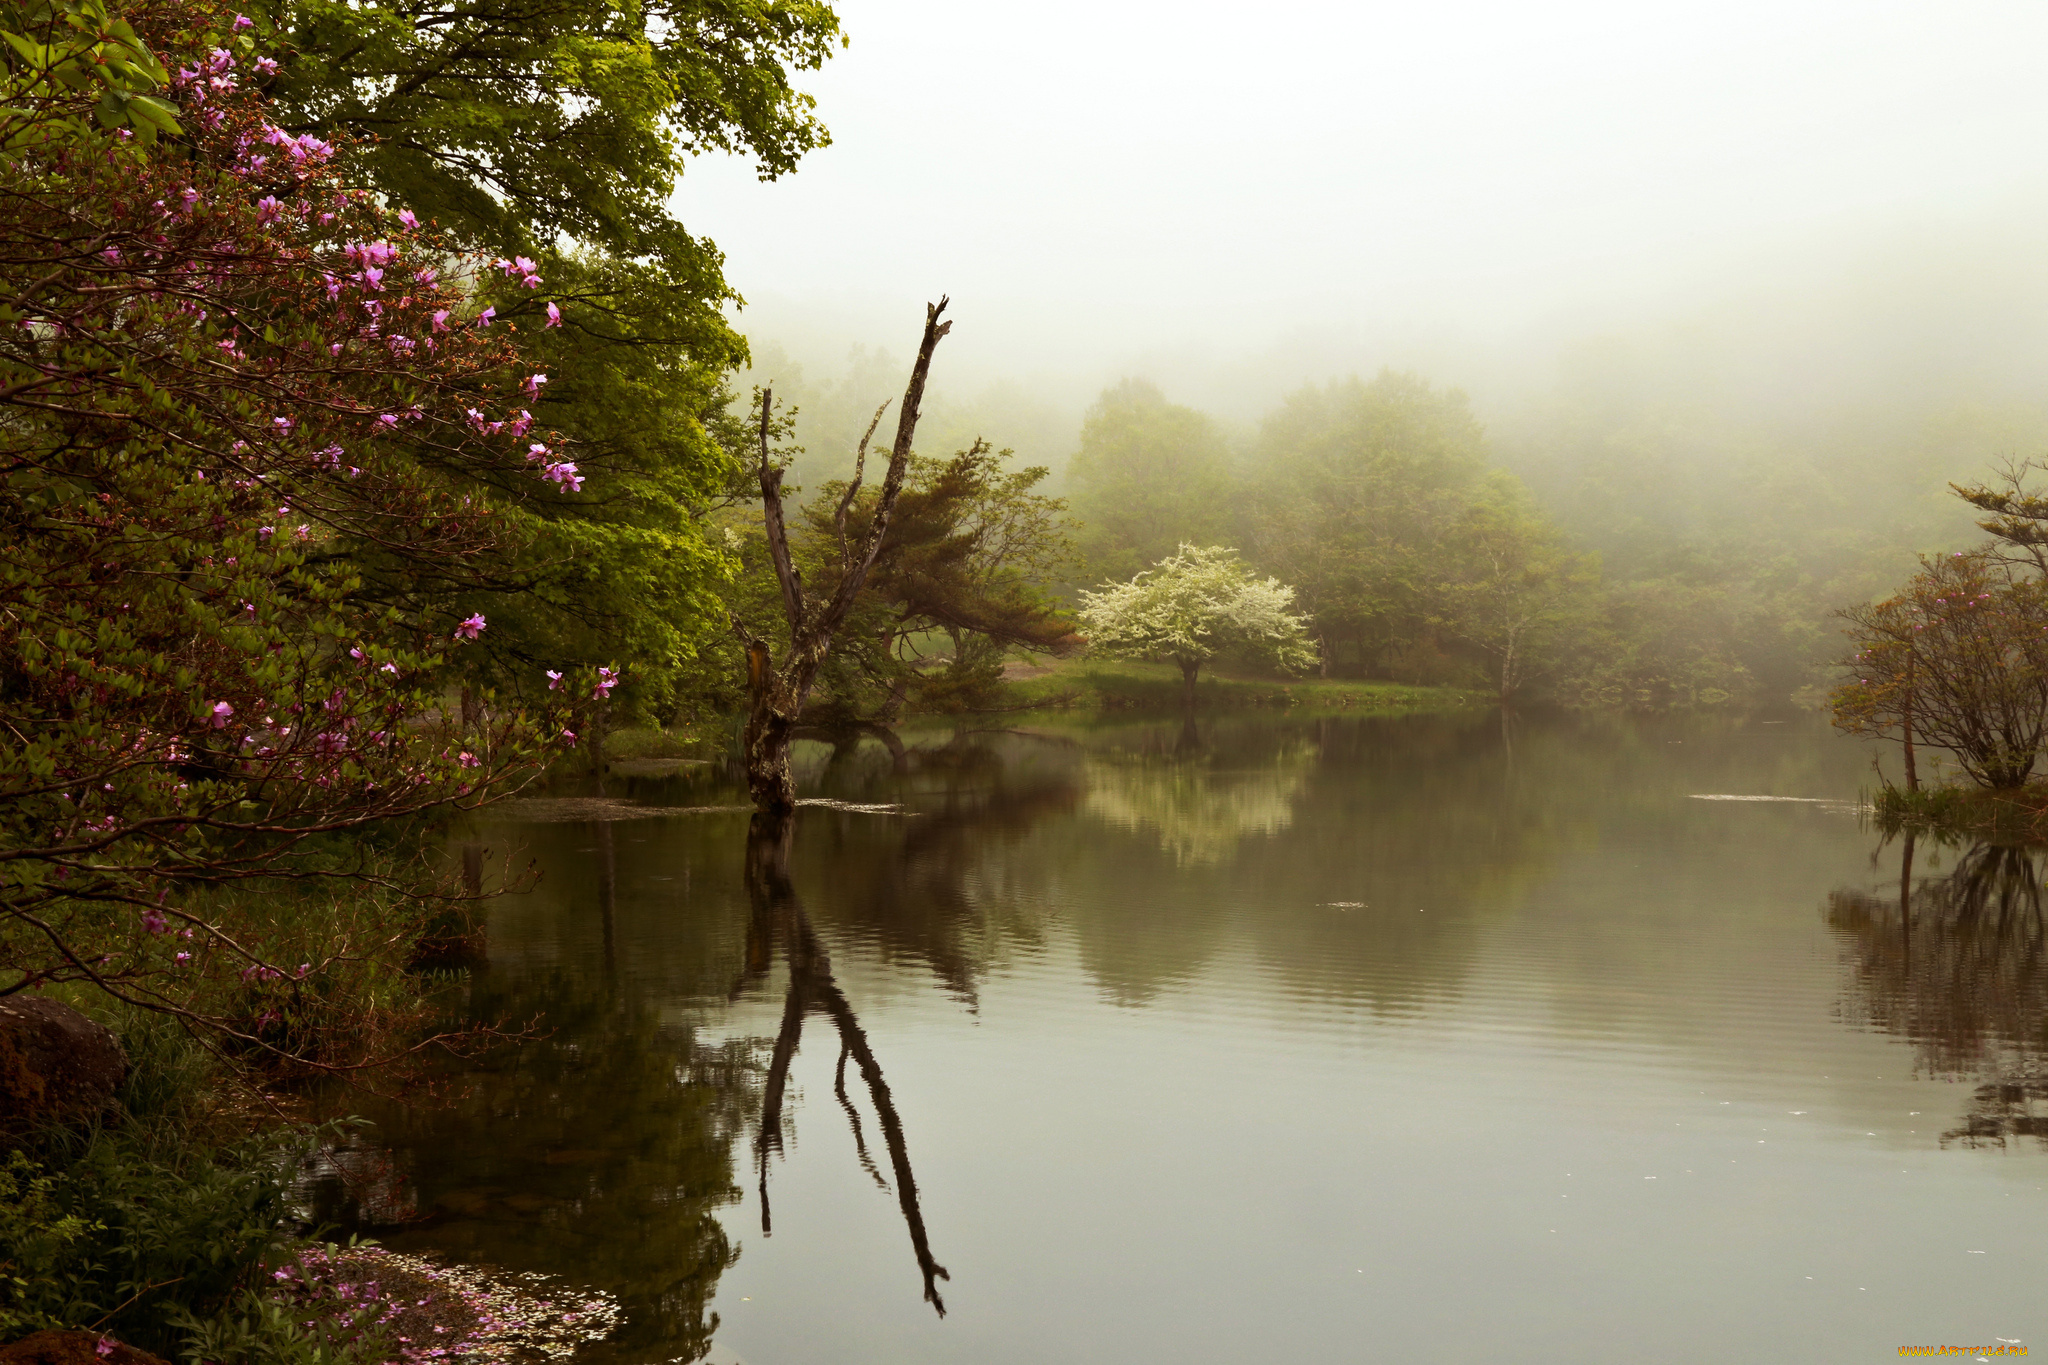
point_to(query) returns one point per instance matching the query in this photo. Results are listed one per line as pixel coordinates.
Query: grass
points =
(1120, 685)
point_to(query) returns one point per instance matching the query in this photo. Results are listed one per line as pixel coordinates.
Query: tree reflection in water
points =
(1198, 810)
(1957, 964)
(777, 916)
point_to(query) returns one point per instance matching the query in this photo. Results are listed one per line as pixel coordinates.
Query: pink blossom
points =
(470, 628)
(409, 218)
(537, 452)
(484, 318)
(265, 532)
(468, 759)
(103, 1347)
(183, 958)
(607, 679)
(554, 316)
(564, 474)
(111, 254)
(268, 210)
(266, 65)
(554, 681)
(440, 319)
(388, 421)
(533, 383)
(569, 737)
(519, 424)
(222, 713)
(243, 21)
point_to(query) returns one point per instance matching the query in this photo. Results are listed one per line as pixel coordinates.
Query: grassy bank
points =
(1118, 685)
(1103, 686)
(2018, 814)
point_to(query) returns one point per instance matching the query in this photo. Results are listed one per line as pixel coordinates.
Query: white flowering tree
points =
(1191, 608)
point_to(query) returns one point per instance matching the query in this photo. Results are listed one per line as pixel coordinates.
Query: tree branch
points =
(778, 533)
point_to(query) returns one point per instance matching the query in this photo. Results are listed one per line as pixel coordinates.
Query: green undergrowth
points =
(162, 1226)
(1119, 685)
(641, 743)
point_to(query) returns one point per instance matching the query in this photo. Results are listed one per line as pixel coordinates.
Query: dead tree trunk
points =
(777, 690)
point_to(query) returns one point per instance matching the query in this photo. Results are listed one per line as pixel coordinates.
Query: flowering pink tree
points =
(227, 383)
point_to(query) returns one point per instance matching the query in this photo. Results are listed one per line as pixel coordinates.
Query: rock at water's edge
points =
(56, 1065)
(73, 1348)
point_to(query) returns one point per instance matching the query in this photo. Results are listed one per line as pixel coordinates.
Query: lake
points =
(1432, 1037)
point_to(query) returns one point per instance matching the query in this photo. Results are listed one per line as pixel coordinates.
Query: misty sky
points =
(1095, 181)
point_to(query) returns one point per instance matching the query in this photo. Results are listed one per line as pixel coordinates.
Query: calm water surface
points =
(1276, 1041)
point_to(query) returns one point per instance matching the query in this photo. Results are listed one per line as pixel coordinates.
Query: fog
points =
(1783, 198)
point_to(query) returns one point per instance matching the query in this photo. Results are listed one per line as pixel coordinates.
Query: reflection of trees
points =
(778, 917)
(1198, 809)
(1959, 965)
(938, 885)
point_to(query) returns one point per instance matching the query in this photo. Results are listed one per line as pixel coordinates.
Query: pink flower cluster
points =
(521, 266)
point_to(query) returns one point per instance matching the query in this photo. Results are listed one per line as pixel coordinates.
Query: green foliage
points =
(143, 1234)
(560, 133)
(1515, 590)
(36, 1237)
(519, 125)
(60, 51)
(1360, 486)
(267, 1329)
(1150, 476)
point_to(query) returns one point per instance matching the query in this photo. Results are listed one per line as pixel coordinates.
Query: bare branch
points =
(860, 465)
(778, 534)
(856, 575)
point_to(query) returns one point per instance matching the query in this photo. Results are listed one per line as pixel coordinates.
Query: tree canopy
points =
(1360, 487)
(553, 136)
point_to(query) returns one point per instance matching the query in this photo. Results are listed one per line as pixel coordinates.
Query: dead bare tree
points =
(777, 690)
